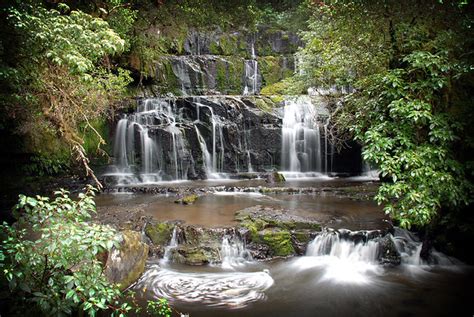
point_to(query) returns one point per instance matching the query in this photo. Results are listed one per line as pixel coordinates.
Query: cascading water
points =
(301, 138)
(143, 161)
(233, 252)
(251, 73)
(171, 246)
(356, 257)
(214, 164)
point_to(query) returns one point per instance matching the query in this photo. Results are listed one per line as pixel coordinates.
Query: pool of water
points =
(218, 209)
(312, 286)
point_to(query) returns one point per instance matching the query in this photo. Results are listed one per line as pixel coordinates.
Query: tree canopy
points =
(408, 65)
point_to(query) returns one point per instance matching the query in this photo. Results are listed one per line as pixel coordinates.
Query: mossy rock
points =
(187, 200)
(159, 233)
(199, 255)
(278, 240)
(127, 263)
(199, 236)
(270, 69)
(254, 226)
(302, 236)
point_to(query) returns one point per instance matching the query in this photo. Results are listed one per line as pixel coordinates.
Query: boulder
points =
(388, 254)
(126, 264)
(187, 200)
(275, 177)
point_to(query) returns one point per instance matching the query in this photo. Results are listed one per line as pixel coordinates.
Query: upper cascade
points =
(217, 62)
(209, 137)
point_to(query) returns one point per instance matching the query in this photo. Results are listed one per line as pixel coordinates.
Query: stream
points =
(336, 277)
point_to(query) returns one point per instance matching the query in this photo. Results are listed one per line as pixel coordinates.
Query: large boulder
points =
(126, 264)
(275, 233)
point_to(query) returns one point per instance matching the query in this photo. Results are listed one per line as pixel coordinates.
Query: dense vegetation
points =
(410, 68)
(53, 259)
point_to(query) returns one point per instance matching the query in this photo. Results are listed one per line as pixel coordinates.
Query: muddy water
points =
(217, 207)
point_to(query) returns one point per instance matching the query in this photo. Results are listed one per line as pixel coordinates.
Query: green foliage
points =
(405, 66)
(159, 307)
(51, 256)
(58, 74)
(41, 165)
(76, 40)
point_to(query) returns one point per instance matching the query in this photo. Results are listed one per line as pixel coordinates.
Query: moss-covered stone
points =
(270, 69)
(187, 200)
(275, 177)
(302, 236)
(125, 264)
(278, 240)
(159, 233)
(195, 255)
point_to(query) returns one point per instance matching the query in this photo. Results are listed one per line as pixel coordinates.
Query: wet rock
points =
(275, 177)
(187, 200)
(159, 233)
(278, 240)
(300, 239)
(260, 217)
(273, 232)
(388, 254)
(195, 255)
(125, 264)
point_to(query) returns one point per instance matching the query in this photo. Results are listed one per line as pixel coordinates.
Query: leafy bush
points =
(50, 257)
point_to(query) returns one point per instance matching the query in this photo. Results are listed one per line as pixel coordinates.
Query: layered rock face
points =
(216, 62)
(188, 126)
(206, 136)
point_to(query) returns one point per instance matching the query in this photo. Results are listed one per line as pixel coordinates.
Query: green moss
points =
(278, 240)
(301, 236)
(215, 48)
(133, 255)
(229, 45)
(92, 141)
(187, 200)
(159, 233)
(270, 69)
(254, 226)
(263, 103)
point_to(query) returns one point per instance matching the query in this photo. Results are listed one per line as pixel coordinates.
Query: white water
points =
(214, 162)
(342, 261)
(346, 261)
(251, 74)
(150, 114)
(301, 139)
(230, 290)
(171, 246)
(233, 252)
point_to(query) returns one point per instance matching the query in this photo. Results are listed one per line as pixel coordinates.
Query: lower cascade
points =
(208, 137)
(333, 256)
(234, 252)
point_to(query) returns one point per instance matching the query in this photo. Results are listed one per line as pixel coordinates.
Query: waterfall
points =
(332, 244)
(251, 73)
(246, 140)
(206, 156)
(154, 122)
(233, 252)
(353, 257)
(171, 246)
(301, 139)
(215, 162)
